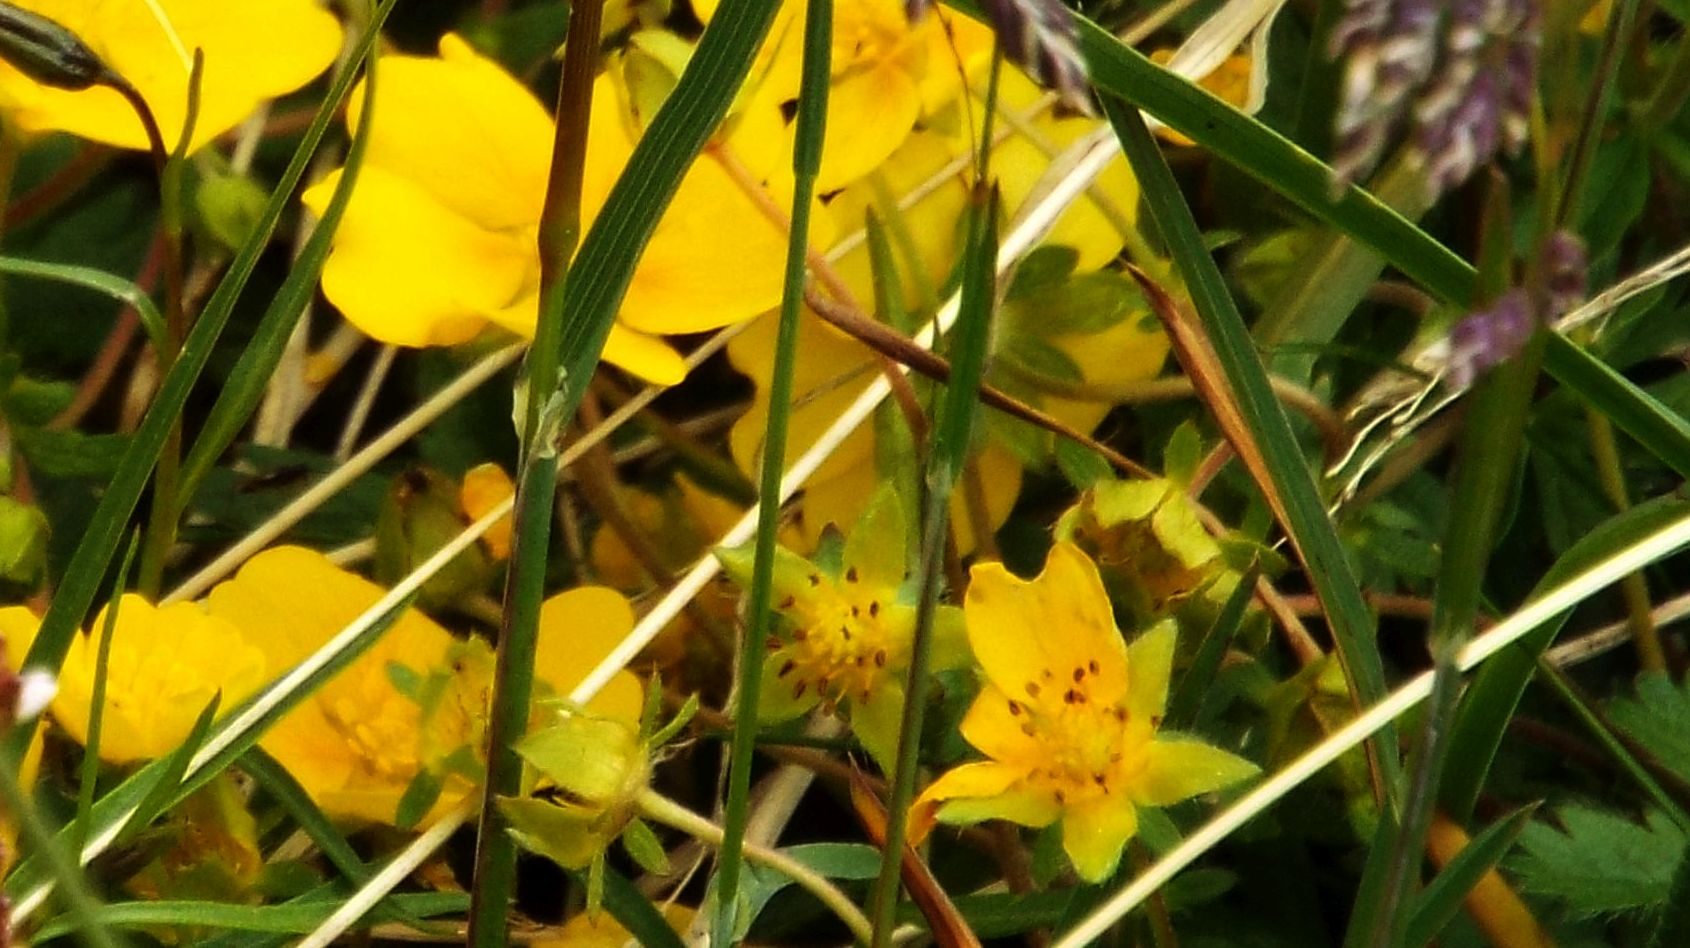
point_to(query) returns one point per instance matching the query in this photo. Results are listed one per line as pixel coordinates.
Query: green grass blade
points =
(809, 136)
(1310, 529)
(629, 906)
(88, 564)
(1187, 699)
(89, 773)
(247, 381)
(289, 918)
(1660, 430)
(1490, 700)
(83, 917)
(98, 280)
(1441, 899)
(275, 780)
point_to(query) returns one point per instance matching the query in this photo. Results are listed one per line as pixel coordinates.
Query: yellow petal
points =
(408, 271)
(1037, 639)
(1095, 831)
(1178, 768)
(869, 113)
(983, 791)
(485, 487)
(578, 629)
(1150, 662)
(648, 357)
(996, 731)
(166, 666)
(465, 132)
(877, 723)
(254, 50)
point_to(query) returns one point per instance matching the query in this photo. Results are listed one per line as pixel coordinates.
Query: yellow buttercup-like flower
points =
(439, 238)
(166, 665)
(359, 741)
(254, 50)
(1070, 717)
(846, 634)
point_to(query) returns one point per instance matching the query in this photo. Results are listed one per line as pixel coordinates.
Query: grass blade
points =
(810, 133)
(1304, 514)
(1442, 897)
(247, 381)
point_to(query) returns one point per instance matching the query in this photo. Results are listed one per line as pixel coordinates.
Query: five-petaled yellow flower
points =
(358, 742)
(1069, 716)
(254, 50)
(439, 238)
(846, 634)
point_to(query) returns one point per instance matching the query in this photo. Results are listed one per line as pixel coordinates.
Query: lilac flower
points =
(1489, 337)
(1460, 72)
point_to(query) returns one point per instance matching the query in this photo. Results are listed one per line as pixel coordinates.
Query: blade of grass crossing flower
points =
(969, 341)
(275, 780)
(247, 381)
(82, 905)
(1307, 524)
(809, 135)
(87, 567)
(1490, 449)
(162, 796)
(234, 735)
(633, 911)
(1441, 899)
(87, 778)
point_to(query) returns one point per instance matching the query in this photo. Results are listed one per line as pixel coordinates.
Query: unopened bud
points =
(45, 51)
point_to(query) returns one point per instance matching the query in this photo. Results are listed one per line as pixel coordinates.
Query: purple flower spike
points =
(1488, 338)
(1040, 37)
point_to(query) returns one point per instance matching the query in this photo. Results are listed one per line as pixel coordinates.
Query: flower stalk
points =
(542, 424)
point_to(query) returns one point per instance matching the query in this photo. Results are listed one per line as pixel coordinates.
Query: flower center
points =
(1091, 748)
(379, 731)
(840, 645)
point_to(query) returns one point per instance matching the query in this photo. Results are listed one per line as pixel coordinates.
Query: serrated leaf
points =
(1599, 862)
(1659, 719)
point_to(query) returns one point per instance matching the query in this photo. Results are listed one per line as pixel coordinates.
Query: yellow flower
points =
(1069, 716)
(254, 50)
(846, 635)
(887, 75)
(166, 665)
(439, 238)
(359, 741)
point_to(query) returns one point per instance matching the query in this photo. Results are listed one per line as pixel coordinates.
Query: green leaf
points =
(250, 378)
(1601, 863)
(99, 280)
(642, 844)
(71, 453)
(1078, 306)
(1659, 719)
